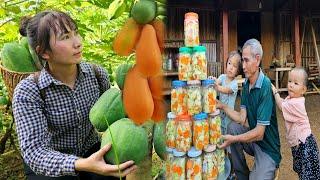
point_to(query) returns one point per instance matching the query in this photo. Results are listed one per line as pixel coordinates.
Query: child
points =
(55, 134)
(227, 86)
(303, 144)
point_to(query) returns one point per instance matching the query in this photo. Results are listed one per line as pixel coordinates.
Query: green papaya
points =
(144, 11)
(16, 57)
(121, 73)
(108, 109)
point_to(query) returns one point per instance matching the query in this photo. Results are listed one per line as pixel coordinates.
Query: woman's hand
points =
(96, 164)
(274, 89)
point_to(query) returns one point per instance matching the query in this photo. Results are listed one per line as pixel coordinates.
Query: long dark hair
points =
(39, 27)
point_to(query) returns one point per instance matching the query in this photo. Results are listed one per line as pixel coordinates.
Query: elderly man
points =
(254, 129)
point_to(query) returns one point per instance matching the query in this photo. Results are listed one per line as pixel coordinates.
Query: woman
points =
(51, 109)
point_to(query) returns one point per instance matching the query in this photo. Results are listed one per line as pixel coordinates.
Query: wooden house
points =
(284, 28)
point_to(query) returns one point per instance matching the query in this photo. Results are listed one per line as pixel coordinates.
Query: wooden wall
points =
(267, 38)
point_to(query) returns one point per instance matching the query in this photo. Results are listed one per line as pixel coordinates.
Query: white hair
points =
(255, 47)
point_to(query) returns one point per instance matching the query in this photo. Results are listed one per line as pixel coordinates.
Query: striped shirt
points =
(55, 131)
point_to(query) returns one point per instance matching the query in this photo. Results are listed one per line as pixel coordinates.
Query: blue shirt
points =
(55, 131)
(228, 99)
(261, 109)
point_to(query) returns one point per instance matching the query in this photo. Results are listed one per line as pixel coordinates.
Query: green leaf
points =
(120, 10)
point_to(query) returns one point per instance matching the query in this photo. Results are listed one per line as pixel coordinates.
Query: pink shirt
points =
(296, 120)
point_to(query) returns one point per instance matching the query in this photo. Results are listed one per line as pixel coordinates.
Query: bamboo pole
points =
(315, 45)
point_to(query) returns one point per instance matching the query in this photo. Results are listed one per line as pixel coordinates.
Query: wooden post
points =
(225, 38)
(314, 39)
(297, 50)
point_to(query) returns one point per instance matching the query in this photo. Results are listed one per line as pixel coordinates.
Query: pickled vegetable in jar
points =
(169, 162)
(210, 165)
(184, 69)
(199, 63)
(178, 167)
(183, 133)
(179, 97)
(194, 164)
(209, 96)
(215, 127)
(220, 155)
(170, 130)
(200, 131)
(191, 29)
(194, 97)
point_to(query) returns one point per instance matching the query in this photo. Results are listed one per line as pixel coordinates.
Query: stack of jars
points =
(193, 126)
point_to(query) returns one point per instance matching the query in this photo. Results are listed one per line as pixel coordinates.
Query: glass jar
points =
(169, 162)
(179, 97)
(178, 168)
(183, 133)
(194, 97)
(184, 69)
(209, 165)
(209, 96)
(191, 29)
(199, 63)
(170, 130)
(215, 127)
(200, 131)
(194, 164)
(220, 155)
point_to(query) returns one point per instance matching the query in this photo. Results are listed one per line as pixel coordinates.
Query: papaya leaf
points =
(118, 10)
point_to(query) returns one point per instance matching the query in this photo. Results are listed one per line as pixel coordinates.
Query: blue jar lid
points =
(169, 150)
(199, 49)
(185, 50)
(200, 116)
(208, 82)
(171, 115)
(194, 153)
(178, 153)
(177, 83)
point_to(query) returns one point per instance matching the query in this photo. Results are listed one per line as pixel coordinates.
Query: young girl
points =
(303, 144)
(51, 109)
(227, 86)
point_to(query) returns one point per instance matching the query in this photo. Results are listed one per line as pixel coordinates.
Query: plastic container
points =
(199, 63)
(184, 70)
(200, 131)
(194, 97)
(169, 162)
(220, 157)
(210, 166)
(170, 130)
(191, 29)
(179, 97)
(215, 128)
(178, 168)
(209, 96)
(183, 133)
(194, 164)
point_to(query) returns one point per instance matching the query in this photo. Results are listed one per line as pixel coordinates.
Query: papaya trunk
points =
(144, 170)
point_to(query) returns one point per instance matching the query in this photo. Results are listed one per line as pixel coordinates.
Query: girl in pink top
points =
(303, 144)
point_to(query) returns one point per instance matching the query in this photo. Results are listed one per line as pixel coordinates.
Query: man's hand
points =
(219, 104)
(227, 140)
(96, 164)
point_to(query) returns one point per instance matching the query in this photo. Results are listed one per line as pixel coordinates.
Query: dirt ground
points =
(312, 105)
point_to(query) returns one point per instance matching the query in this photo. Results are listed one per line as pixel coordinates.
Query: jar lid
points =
(185, 50)
(191, 15)
(210, 148)
(178, 153)
(199, 49)
(193, 152)
(200, 116)
(194, 82)
(171, 115)
(169, 150)
(183, 117)
(215, 113)
(207, 82)
(177, 83)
